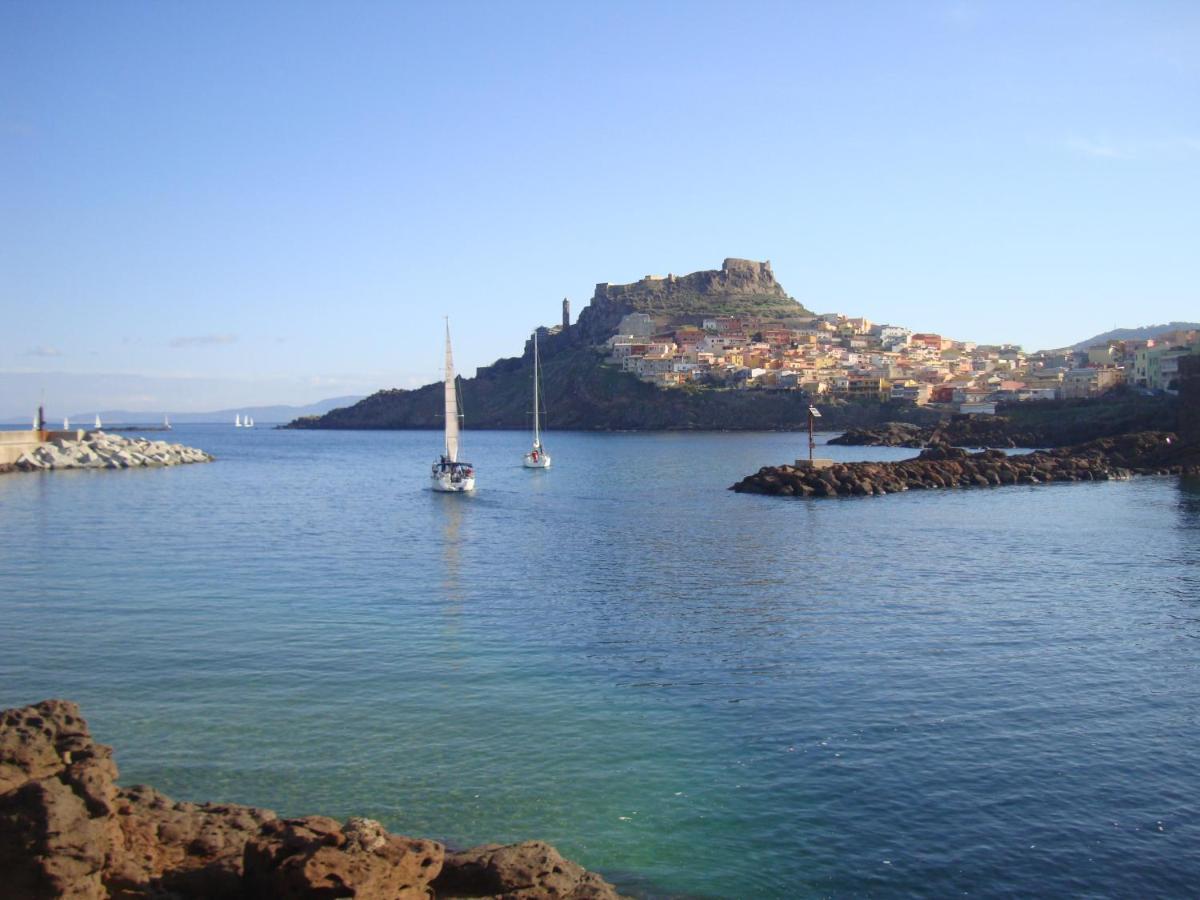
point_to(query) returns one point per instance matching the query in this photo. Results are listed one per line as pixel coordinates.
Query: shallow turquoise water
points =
(696, 692)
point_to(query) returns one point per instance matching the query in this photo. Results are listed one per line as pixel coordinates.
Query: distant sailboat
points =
(449, 474)
(166, 422)
(536, 458)
(237, 420)
(66, 424)
(98, 425)
(249, 422)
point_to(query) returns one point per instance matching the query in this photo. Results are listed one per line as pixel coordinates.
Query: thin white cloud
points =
(44, 351)
(203, 340)
(1165, 148)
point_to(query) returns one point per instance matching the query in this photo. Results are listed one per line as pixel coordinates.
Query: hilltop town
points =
(834, 355)
(728, 348)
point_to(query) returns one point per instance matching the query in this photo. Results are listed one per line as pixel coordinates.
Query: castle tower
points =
(566, 313)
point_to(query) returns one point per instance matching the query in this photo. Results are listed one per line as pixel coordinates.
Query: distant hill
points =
(1134, 334)
(262, 414)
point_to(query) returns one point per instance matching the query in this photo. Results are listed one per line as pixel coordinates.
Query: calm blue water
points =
(697, 693)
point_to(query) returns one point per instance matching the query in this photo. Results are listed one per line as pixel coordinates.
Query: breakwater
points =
(99, 450)
(943, 466)
(68, 830)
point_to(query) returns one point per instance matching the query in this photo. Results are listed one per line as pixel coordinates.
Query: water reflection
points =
(450, 508)
(1189, 501)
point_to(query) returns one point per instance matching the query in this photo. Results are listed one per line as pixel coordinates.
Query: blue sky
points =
(251, 203)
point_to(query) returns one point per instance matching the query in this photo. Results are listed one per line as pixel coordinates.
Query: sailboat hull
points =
(539, 460)
(444, 483)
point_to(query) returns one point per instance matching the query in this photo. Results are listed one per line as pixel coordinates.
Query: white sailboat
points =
(66, 424)
(449, 473)
(249, 422)
(537, 457)
(237, 420)
(98, 425)
(166, 422)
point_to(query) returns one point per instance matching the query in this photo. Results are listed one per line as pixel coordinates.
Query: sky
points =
(219, 204)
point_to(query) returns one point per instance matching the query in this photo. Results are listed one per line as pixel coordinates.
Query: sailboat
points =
(66, 424)
(537, 457)
(237, 420)
(98, 425)
(249, 422)
(166, 422)
(449, 473)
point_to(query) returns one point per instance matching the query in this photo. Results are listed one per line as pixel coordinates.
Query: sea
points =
(697, 693)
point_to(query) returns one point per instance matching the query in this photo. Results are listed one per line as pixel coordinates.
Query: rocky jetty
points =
(68, 830)
(99, 450)
(943, 466)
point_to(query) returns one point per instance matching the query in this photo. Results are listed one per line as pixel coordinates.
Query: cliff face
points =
(741, 287)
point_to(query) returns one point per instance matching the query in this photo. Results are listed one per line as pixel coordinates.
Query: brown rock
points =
(315, 857)
(530, 871)
(56, 795)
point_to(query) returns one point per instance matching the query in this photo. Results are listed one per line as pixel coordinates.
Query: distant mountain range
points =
(262, 414)
(1134, 334)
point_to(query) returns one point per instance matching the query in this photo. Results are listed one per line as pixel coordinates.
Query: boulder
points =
(316, 857)
(529, 871)
(56, 802)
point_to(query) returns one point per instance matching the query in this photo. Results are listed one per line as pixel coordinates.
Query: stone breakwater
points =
(1146, 453)
(68, 830)
(99, 450)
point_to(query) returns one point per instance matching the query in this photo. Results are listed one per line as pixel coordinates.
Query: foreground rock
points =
(100, 450)
(68, 830)
(942, 466)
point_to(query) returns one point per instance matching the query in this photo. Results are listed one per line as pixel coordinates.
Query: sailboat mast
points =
(451, 403)
(537, 438)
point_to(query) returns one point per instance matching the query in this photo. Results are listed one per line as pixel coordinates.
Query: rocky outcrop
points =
(584, 393)
(741, 287)
(518, 872)
(889, 434)
(99, 450)
(942, 466)
(68, 830)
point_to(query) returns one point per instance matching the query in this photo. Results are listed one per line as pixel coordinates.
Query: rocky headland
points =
(943, 466)
(67, 829)
(100, 450)
(581, 392)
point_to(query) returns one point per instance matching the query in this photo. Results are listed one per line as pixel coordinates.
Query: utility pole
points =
(813, 414)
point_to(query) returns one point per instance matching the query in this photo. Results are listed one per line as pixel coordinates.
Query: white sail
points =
(98, 425)
(237, 420)
(537, 435)
(66, 424)
(451, 410)
(166, 421)
(537, 457)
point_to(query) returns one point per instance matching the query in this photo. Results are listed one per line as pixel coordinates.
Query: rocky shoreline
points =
(68, 830)
(943, 466)
(100, 450)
